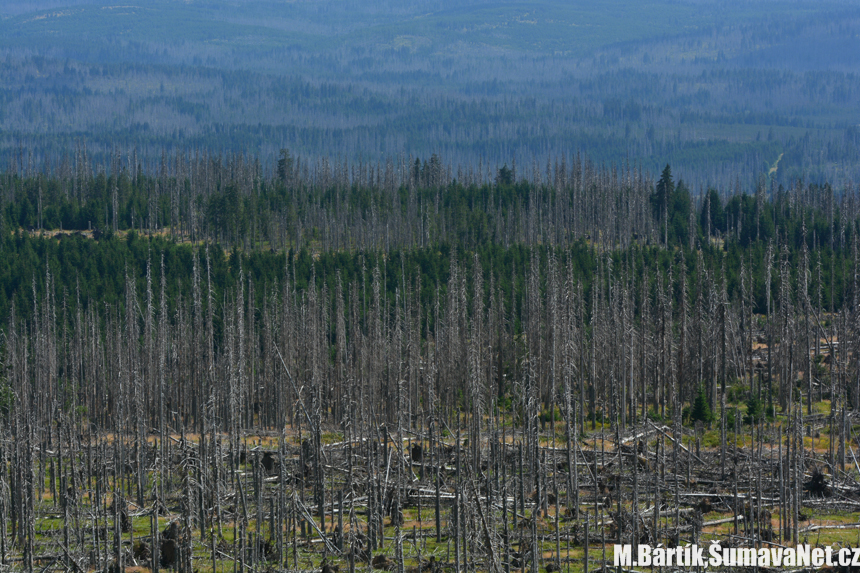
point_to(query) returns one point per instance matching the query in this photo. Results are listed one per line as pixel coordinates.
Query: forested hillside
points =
(721, 90)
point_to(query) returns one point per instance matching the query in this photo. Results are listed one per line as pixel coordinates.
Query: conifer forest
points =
(446, 288)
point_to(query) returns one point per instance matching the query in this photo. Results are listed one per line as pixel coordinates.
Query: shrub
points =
(701, 410)
(755, 409)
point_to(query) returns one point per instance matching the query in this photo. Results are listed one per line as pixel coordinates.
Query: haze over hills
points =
(721, 90)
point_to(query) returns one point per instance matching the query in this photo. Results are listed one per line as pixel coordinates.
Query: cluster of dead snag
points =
(403, 498)
(487, 422)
